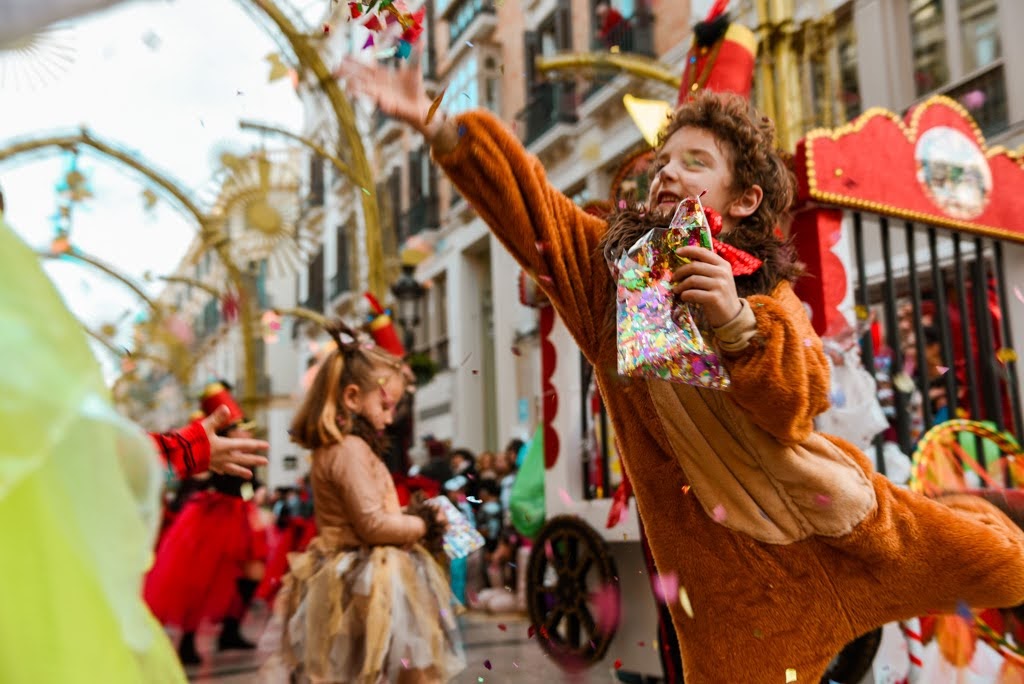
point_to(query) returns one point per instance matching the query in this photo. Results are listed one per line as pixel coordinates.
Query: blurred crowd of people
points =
(480, 486)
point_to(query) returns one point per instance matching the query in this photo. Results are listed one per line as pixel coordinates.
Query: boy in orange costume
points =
(785, 540)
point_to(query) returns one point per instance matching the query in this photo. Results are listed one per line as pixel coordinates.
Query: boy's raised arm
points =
(551, 237)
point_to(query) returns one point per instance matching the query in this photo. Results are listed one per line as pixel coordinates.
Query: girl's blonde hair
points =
(322, 419)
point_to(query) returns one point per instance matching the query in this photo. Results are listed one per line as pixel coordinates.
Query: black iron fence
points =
(937, 333)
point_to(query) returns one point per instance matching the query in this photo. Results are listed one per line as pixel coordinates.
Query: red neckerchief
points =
(742, 262)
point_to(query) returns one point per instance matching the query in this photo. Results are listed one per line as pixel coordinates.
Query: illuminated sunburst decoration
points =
(265, 194)
(36, 60)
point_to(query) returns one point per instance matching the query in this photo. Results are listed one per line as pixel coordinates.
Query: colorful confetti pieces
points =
(718, 513)
(684, 601)
(1006, 355)
(666, 587)
(790, 675)
(433, 107)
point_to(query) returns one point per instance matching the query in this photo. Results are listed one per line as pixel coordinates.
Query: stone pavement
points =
(500, 641)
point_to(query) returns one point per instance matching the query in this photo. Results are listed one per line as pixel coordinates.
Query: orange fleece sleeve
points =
(554, 240)
(780, 377)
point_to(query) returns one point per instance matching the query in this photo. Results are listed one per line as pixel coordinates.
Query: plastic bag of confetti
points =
(461, 538)
(656, 338)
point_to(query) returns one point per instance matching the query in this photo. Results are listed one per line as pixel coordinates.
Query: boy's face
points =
(690, 162)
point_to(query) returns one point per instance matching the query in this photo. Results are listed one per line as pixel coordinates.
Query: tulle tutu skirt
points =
(362, 616)
(201, 558)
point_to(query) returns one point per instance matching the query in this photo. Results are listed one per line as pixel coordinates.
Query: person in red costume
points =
(211, 559)
(199, 447)
(613, 24)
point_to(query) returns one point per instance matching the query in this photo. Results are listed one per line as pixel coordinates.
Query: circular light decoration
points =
(261, 196)
(34, 61)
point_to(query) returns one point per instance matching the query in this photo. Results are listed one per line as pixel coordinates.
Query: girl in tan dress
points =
(366, 602)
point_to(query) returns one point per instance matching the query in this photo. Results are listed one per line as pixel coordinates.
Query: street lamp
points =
(409, 294)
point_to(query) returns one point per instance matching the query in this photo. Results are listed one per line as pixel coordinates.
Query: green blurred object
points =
(990, 450)
(79, 501)
(526, 503)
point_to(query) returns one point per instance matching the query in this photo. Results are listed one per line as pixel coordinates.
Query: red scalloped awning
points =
(871, 164)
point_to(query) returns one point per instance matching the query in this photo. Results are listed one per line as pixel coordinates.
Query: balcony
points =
(548, 104)
(983, 94)
(424, 213)
(634, 35)
(469, 20)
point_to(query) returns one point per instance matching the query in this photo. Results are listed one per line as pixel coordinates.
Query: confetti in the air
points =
(515, 351)
(718, 513)
(666, 587)
(566, 499)
(1018, 293)
(433, 107)
(903, 382)
(790, 675)
(502, 626)
(487, 664)
(405, 663)
(942, 369)
(964, 611)
(1006, 355)
(684, 601)
(607, 610)
(822, 500)
(618, 664)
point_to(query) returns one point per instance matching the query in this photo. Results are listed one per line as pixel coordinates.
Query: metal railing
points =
(634, 35)
(423, 213)
(549, 103)
(983, 94)
(940, 299)
(461, 15)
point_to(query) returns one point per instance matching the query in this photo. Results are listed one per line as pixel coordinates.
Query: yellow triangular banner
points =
(650, 116)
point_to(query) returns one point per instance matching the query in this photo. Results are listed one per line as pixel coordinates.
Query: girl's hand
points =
(398, 93)
(707, 280)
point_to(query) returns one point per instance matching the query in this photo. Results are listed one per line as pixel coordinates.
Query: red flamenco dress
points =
(202, 565)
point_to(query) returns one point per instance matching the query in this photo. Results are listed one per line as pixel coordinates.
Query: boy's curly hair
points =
(748, 140)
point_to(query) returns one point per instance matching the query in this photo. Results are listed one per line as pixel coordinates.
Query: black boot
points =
(187, 649)
(231, 638)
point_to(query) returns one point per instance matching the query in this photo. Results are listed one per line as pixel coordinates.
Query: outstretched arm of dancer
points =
(197, 448)
(371, 522)
(552, 238)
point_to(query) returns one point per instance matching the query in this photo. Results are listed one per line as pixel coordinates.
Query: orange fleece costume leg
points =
(780, 580)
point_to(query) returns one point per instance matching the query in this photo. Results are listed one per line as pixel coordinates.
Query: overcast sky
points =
(168, 79)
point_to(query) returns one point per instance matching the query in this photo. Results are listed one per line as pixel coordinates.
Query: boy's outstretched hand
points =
(707, 280)
(398, 93)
